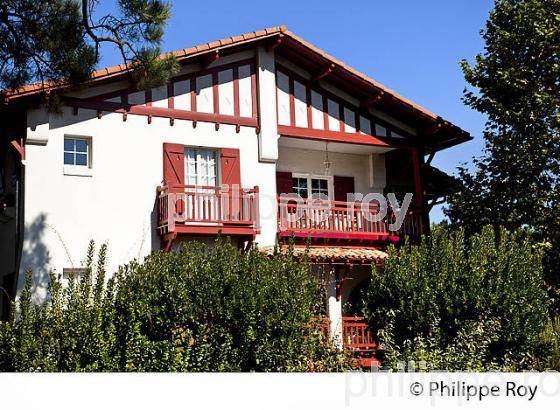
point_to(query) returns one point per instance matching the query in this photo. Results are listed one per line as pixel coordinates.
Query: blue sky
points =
(410, 46)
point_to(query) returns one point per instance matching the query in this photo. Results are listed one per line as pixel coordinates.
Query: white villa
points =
(246, 123)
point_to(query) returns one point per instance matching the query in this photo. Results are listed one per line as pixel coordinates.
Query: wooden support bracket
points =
(323, 72)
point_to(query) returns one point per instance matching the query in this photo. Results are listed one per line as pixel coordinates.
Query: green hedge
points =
(202, 309)
(461, 304)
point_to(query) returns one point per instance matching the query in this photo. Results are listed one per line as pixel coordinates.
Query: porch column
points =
(417, 159)
(334, 307)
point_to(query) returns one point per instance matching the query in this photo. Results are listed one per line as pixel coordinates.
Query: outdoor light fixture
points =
(327, 163)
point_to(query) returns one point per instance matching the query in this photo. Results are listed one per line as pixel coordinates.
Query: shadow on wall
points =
(35, 257)
(154, 222)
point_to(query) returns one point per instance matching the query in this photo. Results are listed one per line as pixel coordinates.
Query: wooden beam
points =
(209, 58)
(323, 73)
(367, 103)
(160, 112)
(431, 130)
(18, 147)
(275, 42)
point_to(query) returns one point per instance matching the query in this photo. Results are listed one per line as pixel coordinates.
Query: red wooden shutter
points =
(342, 187)
(284, 182)
(231, 166)
(173, 164)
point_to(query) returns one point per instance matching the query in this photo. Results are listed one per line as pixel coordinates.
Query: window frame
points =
(217, 164)
(78, 170)
(311, 177)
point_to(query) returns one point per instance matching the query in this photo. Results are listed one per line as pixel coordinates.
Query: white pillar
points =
(268, 135)
(334, 309)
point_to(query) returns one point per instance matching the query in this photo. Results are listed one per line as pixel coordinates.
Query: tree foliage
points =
(200, 309)
(59, 40)
(516, 84)
(461, 304)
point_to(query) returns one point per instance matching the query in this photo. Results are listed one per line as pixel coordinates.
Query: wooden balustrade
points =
(208, 209)
(357, 338)
(343, 220)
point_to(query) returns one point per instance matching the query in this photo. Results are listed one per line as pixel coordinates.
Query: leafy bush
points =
(201, 309)
(458, 304)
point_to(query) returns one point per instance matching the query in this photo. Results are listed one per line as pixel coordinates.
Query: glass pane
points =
(81, 159)
(68, 158)
(299, 183)
(69, 144)
(81, 146)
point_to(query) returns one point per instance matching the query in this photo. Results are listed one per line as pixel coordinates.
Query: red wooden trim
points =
(201, 73)
(214, 230)
(178, 78)
(162, 112)
(170, 96)
(148, 101)
(418, 194)
(254, 98)
(323, 73)
(193, 93)
(19, 147)
(274, 43)
(315, 134)
(236, 97)
(359, 110)
(325, 113)
(357, 121)
(309, 106)
(215, 92)
(210, 58)
(342, 126)
(292, 102)
(339, 235)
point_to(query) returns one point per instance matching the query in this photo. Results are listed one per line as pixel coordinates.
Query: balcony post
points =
(417, 159)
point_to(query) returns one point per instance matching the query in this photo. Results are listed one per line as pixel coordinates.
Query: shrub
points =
(476, 304)
(202, 309)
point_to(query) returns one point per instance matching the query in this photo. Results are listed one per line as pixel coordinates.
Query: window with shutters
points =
(201, 167)
(312, 186)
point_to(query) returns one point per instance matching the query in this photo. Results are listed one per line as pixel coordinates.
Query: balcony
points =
(207, 210)
(337, 220)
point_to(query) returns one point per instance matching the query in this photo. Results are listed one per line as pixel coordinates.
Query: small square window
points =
(77, 151)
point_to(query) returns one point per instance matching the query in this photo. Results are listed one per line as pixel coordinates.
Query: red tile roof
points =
(120, 69)
(331, 253)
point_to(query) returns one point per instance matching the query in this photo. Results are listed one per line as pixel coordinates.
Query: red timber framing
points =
(118, 101)
(354, 124)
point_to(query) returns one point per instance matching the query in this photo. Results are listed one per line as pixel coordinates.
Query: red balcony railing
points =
(317, 218)
(357, 338)
(208, 209)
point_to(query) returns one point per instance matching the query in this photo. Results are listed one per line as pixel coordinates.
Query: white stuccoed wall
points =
(297, 160)
(116, 203)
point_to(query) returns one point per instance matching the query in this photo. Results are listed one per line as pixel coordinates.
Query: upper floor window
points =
(77, 151)
(201, 167)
